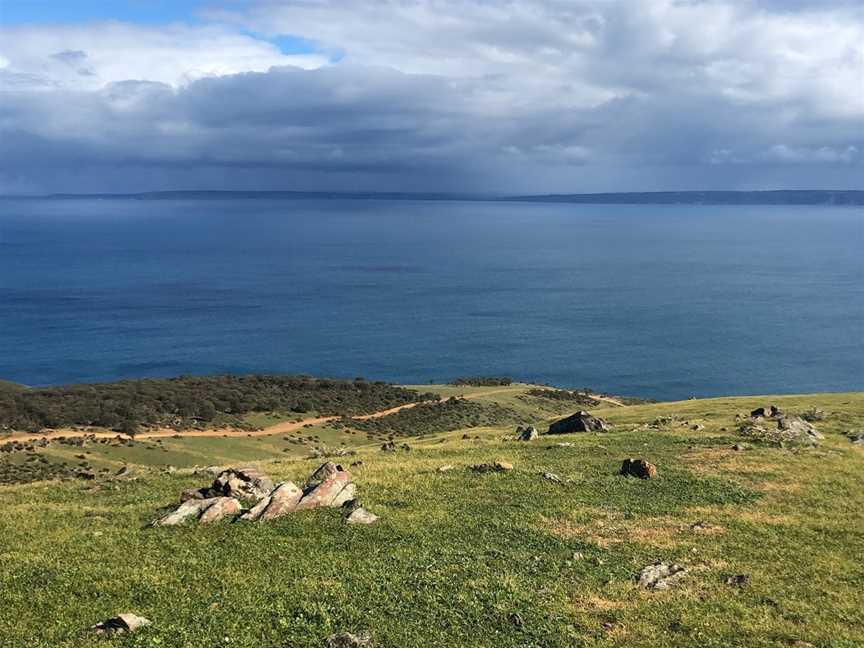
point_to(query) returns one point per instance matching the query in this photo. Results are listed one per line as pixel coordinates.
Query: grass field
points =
(460, 558)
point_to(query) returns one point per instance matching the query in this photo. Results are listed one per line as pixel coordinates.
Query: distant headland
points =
(777, 197)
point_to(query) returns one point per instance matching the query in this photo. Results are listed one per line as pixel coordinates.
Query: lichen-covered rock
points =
(221, 508)
(790, 430)
(581, 421)
(200, 509)
(330, 485)
(121, 624)
(661, 576)
(528, 433)
(281, 501)
(638, 468)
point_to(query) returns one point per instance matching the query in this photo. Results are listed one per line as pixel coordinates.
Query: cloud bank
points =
(441, 95)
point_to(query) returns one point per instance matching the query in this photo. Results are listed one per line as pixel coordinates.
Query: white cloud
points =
(87, 57)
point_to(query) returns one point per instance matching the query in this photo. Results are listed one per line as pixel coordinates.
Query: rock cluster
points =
(638, 468)
(581, 421)
(791, 430)
(329, 486)
(767, 411)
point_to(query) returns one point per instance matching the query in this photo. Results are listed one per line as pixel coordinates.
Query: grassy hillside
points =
(460, 558)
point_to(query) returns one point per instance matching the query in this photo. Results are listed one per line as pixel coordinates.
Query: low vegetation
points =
(190, 401)
(577, 397)
(431, 418)
(548, 553)
(483, 381)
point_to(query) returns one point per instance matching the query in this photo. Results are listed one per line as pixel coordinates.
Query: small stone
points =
(552, 477)
(738, 580)
(361, 516)
(638, 468)
(348, 640)
(445, 468)
(740, 447)
(661, 576)
(120, 624)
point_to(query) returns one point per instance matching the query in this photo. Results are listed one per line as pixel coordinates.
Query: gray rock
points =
(221, 508)
(361, 516)
(857, 438)
(121, 624)
(281, 501)
(767, 411)
(548, 476)
(661, 576)
(496, 466)
(581, 421)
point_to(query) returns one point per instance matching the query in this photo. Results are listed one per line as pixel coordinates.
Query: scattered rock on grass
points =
(348, 640)
(737, 580)
(791, 430)
(661, 576)
(496, 466)
(445, 468)
(581, 421)
(528, 433)
(330, 485)
(638, 468)
(120, 624)
(856, 438)
(548, 476)
(767, 411)
(244, 483)
(361, 516)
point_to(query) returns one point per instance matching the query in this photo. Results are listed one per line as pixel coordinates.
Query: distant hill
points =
(780, 197)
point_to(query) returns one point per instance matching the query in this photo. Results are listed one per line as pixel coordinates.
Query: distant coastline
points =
(844, 197)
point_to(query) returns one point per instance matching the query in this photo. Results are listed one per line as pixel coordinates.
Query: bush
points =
(483, 381)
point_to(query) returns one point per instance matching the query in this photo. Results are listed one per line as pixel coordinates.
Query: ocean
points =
(657, 301)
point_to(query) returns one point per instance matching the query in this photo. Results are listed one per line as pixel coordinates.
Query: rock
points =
(497, 466)
(528, 433)
(791, 430)
(768, 411)
(120, 624)
(579, 422)
(857, 438)
(348, 640)
(221, 508)
(738, 580)
(552, 477)
(281, 501)
(361, 516)
(697, 427)
(798, 426)
(330, 485)
(192, 493)
(661, 576)
(445, 468)
(391, 446)
(126, 472)
(638, 468)
(246, 482)
(188, 509)
(565, 444)
(739, 447)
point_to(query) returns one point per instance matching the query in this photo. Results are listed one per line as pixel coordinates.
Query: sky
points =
(488, 96)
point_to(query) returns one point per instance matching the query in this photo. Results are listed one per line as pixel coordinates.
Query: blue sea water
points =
(656, 301)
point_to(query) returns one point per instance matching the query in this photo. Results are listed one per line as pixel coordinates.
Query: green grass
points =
(465, 559)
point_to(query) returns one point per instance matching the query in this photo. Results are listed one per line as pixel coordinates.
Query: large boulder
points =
(581, 421)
